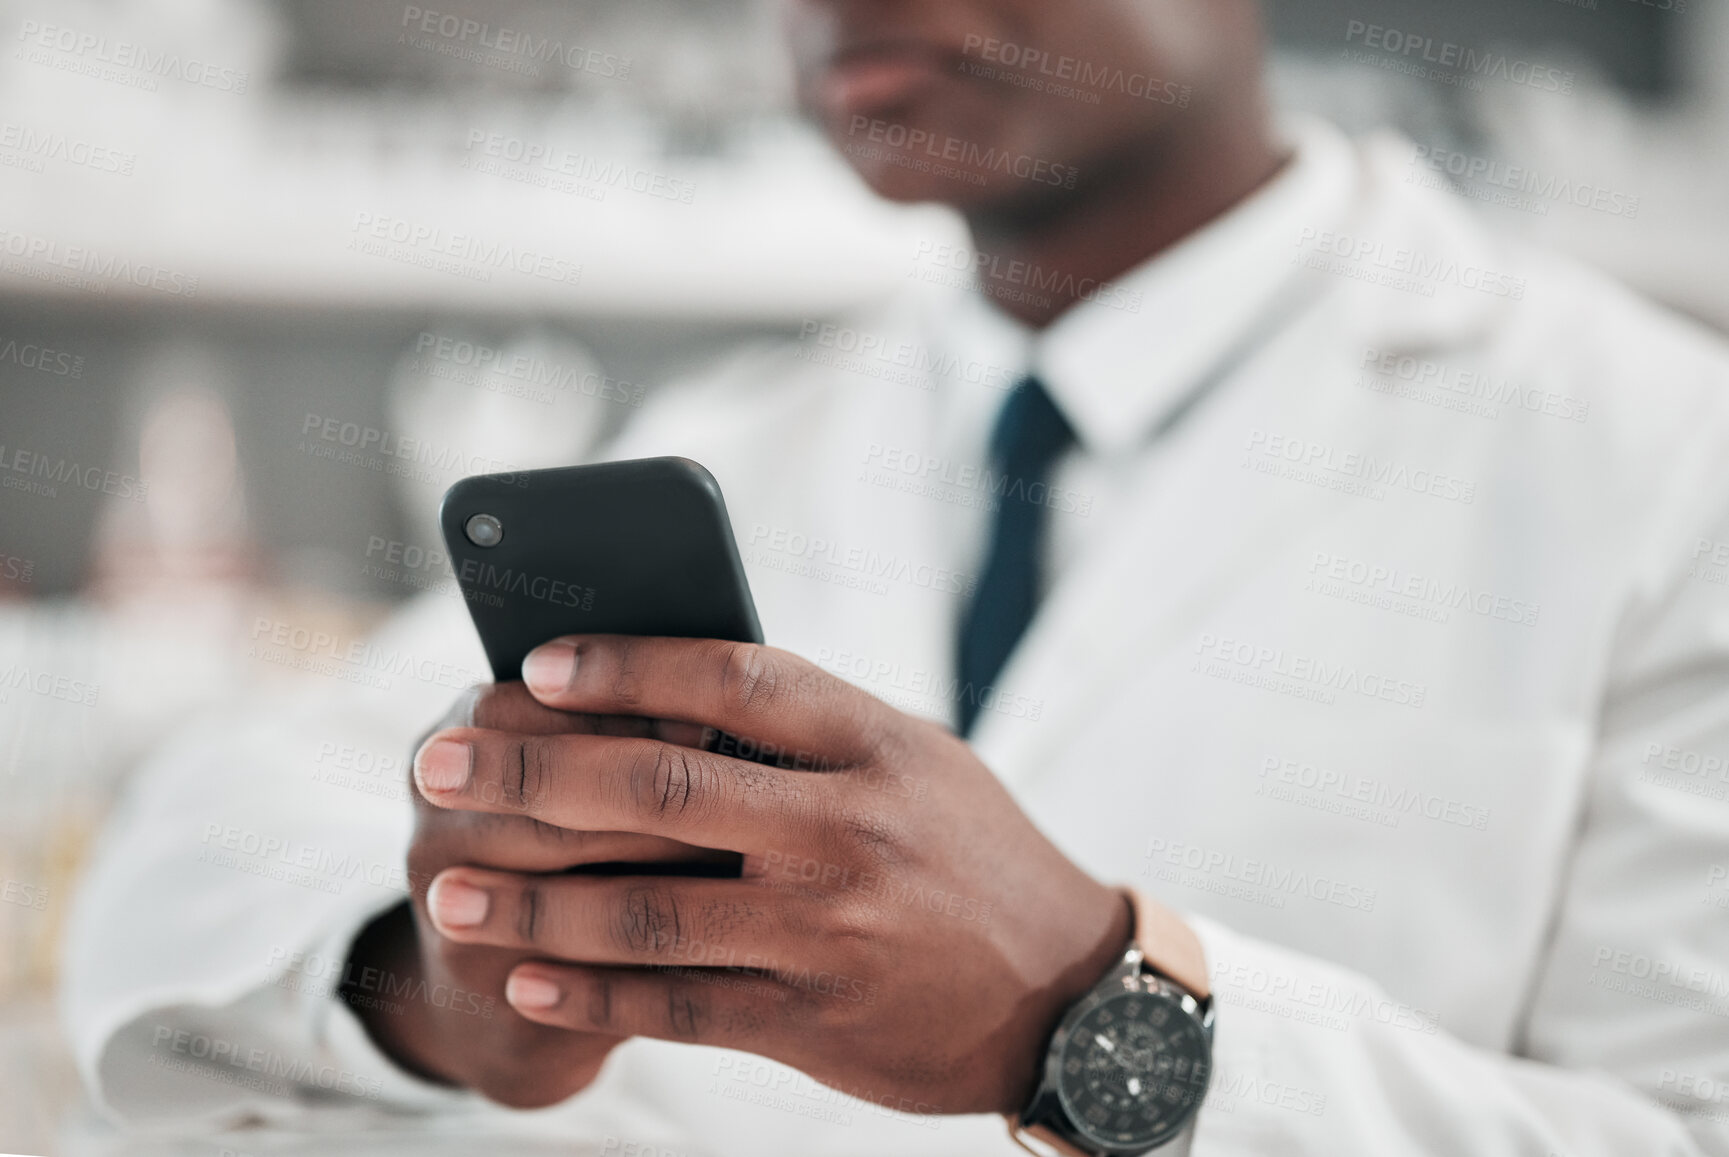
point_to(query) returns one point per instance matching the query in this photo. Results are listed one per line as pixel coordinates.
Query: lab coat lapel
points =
(1192, 528)
(1200, 522)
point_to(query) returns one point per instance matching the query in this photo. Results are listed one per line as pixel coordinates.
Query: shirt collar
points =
(1118, 363)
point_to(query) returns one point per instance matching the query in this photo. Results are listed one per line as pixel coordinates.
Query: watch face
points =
(1132, 1070)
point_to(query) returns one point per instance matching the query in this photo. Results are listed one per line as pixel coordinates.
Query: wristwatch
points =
(1129, 1063)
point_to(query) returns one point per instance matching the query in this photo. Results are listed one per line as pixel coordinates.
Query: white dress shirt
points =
(1128, 358)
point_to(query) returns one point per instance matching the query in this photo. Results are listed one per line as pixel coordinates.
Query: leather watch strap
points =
(1179, 1147)
(1173, 950)
(1053, 1143)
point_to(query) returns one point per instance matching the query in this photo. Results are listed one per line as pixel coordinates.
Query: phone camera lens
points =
(484, 530)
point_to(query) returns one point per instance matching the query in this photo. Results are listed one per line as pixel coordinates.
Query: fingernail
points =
(443, 766)
(550, 668)
(531, 992)
(457, 905)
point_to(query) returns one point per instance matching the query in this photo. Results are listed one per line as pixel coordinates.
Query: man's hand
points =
(437, 1005)
(900, 930)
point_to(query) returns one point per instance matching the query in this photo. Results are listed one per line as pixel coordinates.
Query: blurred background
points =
(250, 327)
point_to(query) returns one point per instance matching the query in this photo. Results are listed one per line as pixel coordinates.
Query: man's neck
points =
(1119, 218)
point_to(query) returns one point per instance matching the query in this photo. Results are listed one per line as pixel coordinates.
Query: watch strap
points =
(1172, 950)
(1055, 1146)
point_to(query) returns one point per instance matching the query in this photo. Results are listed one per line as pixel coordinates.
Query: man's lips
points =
(881, 76)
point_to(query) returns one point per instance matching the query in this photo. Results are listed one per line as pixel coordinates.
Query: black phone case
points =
(619, 548)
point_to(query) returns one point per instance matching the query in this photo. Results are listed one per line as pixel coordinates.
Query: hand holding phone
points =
(635, 548)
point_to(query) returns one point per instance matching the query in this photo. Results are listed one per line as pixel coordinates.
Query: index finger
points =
(603, 783)
(511, 707)
(764, 695)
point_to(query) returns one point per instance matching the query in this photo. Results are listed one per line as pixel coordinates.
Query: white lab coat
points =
(1422, 714)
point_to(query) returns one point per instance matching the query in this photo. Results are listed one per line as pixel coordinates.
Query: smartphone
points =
(618, 548)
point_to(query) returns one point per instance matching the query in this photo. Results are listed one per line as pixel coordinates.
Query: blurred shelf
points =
(337, 205)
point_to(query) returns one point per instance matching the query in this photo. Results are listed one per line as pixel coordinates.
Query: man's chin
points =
(910, 186)
(921, 165)
(910, 179)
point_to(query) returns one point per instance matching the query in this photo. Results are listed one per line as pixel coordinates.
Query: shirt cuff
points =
(339, 1029)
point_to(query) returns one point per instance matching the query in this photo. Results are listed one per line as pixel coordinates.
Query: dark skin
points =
(891, 919)
(512, 1060)
(819, 945)
(1149, 169)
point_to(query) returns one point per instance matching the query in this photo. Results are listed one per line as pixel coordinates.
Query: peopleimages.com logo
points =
(125, 62)
(508, 49)
(971, 156)
(1034, 68)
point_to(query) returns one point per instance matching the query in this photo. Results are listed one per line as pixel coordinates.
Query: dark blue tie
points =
(1030, 435)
